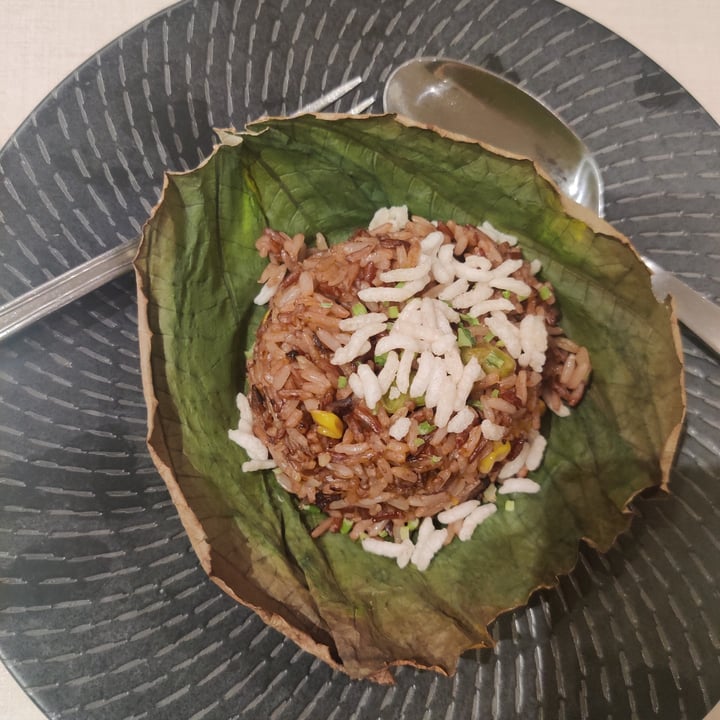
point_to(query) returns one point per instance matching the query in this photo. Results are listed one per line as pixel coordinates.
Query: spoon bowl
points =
(474, 102)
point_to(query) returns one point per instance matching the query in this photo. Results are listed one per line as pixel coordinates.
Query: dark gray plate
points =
(104, 611)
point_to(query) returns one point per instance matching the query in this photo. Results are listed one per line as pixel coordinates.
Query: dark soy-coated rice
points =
(378, 481)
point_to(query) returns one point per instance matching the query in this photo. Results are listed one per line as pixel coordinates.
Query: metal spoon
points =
(476, 103)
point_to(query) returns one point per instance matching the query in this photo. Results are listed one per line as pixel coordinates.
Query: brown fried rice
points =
(398, 379)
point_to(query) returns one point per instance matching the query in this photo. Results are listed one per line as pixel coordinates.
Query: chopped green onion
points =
(436, 458)
(491, 358)
(489, 337)
(380, 360)
(490, 494)
(383, 534)
(359, 309)
(506, 294)
(419, 442)
(393, 404)
(545, 292)
(425, 427)
(495, 393)
(346, 526)
(464, 337)
(393, 312)
(413, 524)
(404, 532)
(469, 319)
(400, 284)
(494, 360)
(342, 382)
(477, 404)
(326, 304)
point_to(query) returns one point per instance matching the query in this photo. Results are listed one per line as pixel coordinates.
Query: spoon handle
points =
(694, 310)
(63, 289)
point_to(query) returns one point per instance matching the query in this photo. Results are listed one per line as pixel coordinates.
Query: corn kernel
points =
(499, 452)
(328, 424)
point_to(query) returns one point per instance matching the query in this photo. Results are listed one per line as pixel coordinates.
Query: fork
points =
(83, 279)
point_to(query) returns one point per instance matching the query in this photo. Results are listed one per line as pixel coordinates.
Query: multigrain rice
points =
(399, 378)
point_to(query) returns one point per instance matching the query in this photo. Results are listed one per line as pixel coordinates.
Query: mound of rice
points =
(398, 379)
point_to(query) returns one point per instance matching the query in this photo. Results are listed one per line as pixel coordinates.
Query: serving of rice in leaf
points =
(402, 376)
(497, 354)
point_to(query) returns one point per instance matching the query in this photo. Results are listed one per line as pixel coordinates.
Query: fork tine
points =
(54, 294)
(362, 105)
(329, 98)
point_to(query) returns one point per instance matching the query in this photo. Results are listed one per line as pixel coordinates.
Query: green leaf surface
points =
(197, 271)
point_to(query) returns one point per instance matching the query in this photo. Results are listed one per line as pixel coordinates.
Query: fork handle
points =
(54, 294)
(694, 311)
(63, 289)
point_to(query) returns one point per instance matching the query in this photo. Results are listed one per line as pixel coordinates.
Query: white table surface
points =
(42, 41)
